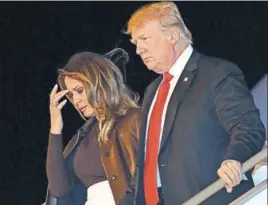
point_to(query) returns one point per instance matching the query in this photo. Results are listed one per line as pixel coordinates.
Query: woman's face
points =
(77, 94)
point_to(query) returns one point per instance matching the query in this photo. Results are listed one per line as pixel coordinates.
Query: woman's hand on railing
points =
(231, 173)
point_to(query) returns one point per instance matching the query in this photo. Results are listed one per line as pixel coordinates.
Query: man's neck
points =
(179, 50)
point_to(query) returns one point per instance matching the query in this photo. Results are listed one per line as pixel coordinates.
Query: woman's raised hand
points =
(56, 121)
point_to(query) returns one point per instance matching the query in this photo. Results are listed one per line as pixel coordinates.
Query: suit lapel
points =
(148, 98)
(147, 101)
(182, 85)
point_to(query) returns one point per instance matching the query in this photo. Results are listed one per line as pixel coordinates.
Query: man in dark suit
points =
(199, 120)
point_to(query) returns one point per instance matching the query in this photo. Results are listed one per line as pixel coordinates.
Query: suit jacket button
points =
(107, 154)
(113, 177)
(163, 165)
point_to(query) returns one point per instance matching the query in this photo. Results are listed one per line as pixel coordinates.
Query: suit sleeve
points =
(238, 115)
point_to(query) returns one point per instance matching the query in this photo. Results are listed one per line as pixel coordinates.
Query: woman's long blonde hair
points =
(109, 97)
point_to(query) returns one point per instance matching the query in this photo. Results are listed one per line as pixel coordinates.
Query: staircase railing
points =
(219, 184)
(250, 194)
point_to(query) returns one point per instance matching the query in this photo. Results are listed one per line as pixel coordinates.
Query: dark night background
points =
(38, 37)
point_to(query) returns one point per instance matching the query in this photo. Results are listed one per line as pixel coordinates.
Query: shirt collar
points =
(177, 68)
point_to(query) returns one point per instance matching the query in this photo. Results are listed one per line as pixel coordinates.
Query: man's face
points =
(154, 46)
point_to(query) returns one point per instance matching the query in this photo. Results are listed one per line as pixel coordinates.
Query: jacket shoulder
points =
(130, 123)
(217, 67)
(132, 116)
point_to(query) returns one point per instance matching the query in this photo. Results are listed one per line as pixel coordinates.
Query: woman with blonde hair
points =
(98, 163)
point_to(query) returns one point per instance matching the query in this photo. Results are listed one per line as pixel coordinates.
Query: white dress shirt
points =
(175, 70)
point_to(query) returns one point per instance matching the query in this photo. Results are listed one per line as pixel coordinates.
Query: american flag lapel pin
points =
(185, 79)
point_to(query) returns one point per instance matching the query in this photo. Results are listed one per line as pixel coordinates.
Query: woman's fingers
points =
(56, 97)
(60, 106)
(54, 90)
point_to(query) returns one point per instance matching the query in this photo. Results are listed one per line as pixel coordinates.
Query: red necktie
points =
(150, 168)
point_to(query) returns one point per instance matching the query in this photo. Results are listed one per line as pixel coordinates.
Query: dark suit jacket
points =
(210, 117)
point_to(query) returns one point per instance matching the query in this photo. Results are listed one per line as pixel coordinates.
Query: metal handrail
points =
(219, 184)
(251, 193)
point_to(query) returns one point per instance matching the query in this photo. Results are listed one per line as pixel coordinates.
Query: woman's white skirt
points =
(100, 194)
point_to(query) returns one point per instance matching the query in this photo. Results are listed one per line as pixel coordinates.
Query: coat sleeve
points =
(238, 115)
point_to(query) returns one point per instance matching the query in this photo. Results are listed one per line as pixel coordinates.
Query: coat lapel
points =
(148, 98)
(147, 101)
(183, 84)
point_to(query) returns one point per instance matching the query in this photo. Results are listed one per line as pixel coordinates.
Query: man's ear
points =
(175, 36)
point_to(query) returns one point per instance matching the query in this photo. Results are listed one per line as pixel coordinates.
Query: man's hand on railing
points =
(219, 184)
(231, 173)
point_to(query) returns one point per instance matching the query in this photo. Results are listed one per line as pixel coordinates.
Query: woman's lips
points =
(82, 109)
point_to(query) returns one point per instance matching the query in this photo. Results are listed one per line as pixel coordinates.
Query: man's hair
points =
(109, 97)
(166, 12)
